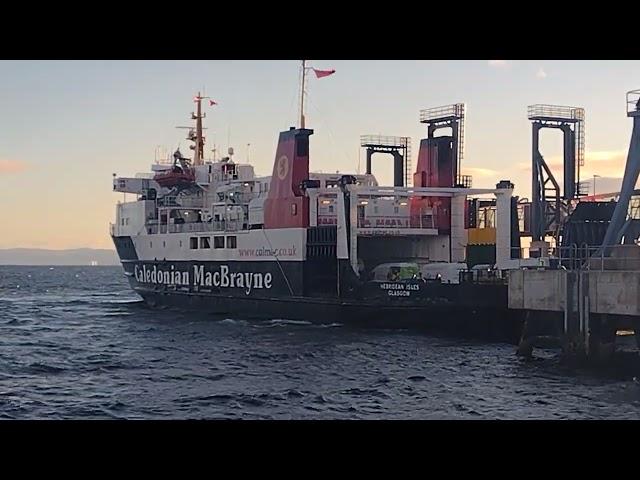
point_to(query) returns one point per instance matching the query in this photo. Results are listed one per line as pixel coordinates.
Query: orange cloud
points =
(12, 166)
(607, 163)
(610, 164)
(480, 172)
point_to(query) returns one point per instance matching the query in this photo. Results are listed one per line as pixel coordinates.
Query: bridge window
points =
(205, 242)
(232, 242)
(218, 242)
(193, 243)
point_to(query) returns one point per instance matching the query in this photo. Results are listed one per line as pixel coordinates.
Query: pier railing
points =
(583, 257)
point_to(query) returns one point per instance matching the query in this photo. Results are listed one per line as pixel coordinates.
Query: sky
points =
(67, 126)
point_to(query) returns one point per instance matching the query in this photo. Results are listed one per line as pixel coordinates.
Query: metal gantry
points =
(398, 147)
(549, 203)
(447, 116)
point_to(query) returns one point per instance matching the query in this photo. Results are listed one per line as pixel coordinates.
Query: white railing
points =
(555, 111)
(434, 114)
(413, 221)
(633, 100)
(185, 202)
(426, 221)
(197, 227)
(384, 141)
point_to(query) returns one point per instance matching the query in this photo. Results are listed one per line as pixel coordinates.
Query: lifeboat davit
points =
(180, 173)
(175, 177)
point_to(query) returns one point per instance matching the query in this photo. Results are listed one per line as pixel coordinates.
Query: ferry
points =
(430, 251)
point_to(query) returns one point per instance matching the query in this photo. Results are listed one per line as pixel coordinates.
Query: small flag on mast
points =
(212, 103)
(323, 73)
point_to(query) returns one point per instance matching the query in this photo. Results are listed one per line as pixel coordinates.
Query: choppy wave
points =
(76, 342)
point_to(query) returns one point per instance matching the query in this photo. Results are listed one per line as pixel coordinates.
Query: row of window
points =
(218, 242)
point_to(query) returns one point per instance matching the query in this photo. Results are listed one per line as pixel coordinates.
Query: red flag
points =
(195, 99)
(323, 73)
(212, 103)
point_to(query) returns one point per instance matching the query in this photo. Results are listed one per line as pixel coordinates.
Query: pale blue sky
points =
(66, 126)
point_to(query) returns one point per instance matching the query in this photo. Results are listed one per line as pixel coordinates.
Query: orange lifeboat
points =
(174, 177)
(180, 173)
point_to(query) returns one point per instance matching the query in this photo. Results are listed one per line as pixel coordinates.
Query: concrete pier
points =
(578, 310)
(600, 293)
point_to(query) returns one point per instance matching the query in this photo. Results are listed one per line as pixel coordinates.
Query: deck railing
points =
(412, 221)
(198, 227)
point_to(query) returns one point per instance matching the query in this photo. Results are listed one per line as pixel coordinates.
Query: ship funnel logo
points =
(283, 167)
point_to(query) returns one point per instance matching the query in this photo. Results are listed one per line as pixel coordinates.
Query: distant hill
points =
(37, 256)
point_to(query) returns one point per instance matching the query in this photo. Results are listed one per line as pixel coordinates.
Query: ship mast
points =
(304, 74)
(319, 74)
(196, 136)
(198, 156)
